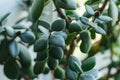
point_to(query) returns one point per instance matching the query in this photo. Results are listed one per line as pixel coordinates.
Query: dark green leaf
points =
(59, 73)
(89, 10)
(10, 31)
(46, 71)
(36, 10)
(14, 49)
(105, 18)
(70, 37)
(68, 4)
(57, 40)
(44, 24)
(56, 52)
(87, 77)
(52, 63)
(75, 27)
(77, 67)
(86, 41)
(42, 55)
(70, 74)
(41, 44)
(58, 25)
(11, 69)
(39, 67)
(88, 64)
(4, 51)
(27, 37)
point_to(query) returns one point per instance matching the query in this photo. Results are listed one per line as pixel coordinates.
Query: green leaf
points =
(56, 52)
(68, 4)
(96, 28)
(44, 24)
(41, 44)
(46, 71)
(70, 37)
(4, 51)
(58, 25)
(75, 27)
(113, 11)
(71, 75)
(84, 20)
(19, 26)
(36, 10)
(39, 67)
(88, 64)
(57, 40)
(92, 72)
(105, 18)
(14, 49)
(78, 67)
(11, 69)
(59, 73)
(89, 10)
(86, 43)
(10, 31)
(52, 63)
(27, 37)
(42, 55)
(87, 77)
(25, 58)
(71, 61)
(61, 33)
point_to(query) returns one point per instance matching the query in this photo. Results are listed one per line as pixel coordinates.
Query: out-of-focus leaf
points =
(89, 10)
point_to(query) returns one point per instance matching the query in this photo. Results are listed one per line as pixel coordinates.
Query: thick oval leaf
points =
(46, 71)
(105, 18)
(78, 67)
(36, 10)
(59, 73)
(10, 31)
(4, 17)
(89, 10)
(84, 20)
(71, 61)
(113, 11)
(87, 77)
(4, 51)
(57, 40)
(96, 28)
(92, 72)
(42, 55)
(68, 4)
(71, 75)
(61, 33)
(1, 29)
(58, 25)
(88, 64)
(27, 37)
(11, 69)
(86, 41)
(14, 49)
(56, 52)
(41, 44)
(52, 63)
(39, 67)
(19, 26)
(44, 24)
(29, 71)
(75, 27)
(25, 58)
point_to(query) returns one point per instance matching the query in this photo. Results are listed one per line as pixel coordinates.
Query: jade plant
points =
(54, 43)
